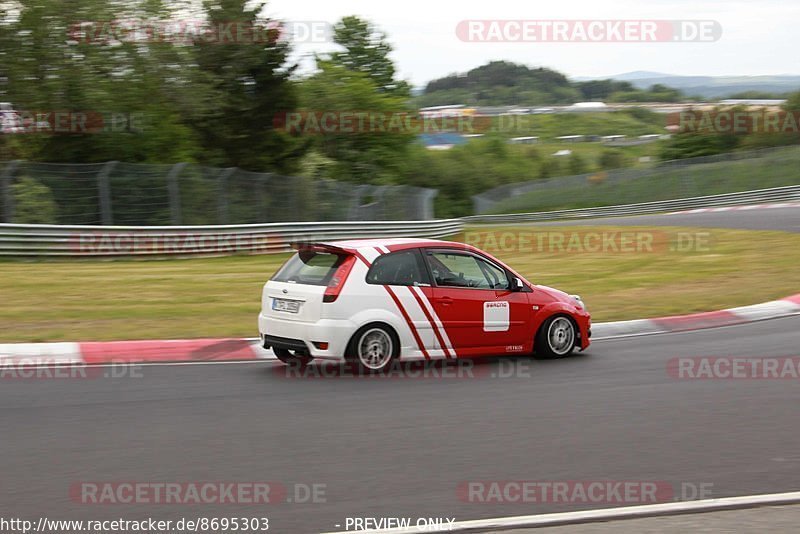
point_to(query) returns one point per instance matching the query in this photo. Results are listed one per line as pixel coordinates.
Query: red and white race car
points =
(373, 301)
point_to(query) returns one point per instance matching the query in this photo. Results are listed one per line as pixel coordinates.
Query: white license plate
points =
(288, 306)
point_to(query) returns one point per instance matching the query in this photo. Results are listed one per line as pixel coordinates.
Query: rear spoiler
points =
(320, 247)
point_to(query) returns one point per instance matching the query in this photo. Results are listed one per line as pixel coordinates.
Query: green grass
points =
(220, 297)
(591, 152)
(549, 126)
(777, 169)
(106, 300)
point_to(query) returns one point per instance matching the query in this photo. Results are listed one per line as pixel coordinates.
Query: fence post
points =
(175, 192)
(353, 210)
(222, 194)
(104, 193)
(426, 203)
(261, 192)
(379, 199)
(5, 190)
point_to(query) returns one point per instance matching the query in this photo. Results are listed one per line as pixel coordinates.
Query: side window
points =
(397, 269)
(496, 277)
(454, 269)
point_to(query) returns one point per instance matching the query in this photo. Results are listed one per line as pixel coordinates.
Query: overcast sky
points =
(758, 37)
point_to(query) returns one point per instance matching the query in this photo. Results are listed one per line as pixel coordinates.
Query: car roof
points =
(393, 244)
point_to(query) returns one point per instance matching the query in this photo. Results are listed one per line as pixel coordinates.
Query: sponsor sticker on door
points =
(496, 316)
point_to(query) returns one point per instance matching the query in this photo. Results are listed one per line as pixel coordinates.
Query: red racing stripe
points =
(401, 308)
(425, 311)
(409, 321)
(433, 323)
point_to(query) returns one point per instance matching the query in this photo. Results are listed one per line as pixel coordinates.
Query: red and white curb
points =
(775, 205)
(233, 349)
(602, 515)
(125, 352)
(695, 321)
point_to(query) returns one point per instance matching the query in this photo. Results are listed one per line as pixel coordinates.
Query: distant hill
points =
(628, 76)
(501, 83)
(713, 86)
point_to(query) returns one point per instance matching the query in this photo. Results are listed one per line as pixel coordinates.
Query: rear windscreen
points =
(309, 267)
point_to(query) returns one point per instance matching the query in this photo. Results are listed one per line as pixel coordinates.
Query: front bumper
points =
(584, 321)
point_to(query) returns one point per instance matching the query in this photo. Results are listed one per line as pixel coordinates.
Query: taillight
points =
(338, 279)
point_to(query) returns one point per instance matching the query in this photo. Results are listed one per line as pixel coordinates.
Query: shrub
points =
(33, 202)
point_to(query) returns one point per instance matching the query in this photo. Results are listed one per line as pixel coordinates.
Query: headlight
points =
(579, 301)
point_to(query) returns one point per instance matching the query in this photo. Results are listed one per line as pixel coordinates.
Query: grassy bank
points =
(777, 169)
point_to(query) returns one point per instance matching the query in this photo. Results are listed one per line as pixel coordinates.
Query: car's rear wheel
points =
(556, 337)
(292, 358)
(373, 348)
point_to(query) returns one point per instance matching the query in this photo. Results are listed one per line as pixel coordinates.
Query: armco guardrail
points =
(21, 240)
(777, 194)
(24, 240)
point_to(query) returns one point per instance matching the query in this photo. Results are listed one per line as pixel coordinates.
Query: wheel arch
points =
(393, 320)
(552, 315)
(556, 313)
(350, 352)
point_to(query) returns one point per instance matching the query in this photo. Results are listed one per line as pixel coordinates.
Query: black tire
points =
(292, 358)
(556, 338)
(373, 348)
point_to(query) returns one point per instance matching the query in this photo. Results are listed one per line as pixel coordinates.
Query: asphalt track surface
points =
(785, 219)
(401, 447)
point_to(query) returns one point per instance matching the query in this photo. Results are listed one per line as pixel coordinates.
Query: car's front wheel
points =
(556, 337)
(292, 358)
(373, 348)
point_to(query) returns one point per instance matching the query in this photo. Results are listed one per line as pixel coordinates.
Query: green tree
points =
(577, 164)
(696, 144)
(370, 148)
(247, 89)
(52, 60)
(33, 202)
(612, 159)
(793, 102)
(366, 50)
(187, 101)
(550, 167)
(602, 89)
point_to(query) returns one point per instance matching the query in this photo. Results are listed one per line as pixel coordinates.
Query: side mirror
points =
(517, 285)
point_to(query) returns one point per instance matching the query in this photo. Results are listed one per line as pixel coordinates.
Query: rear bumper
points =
(294, 335)
(276, 342)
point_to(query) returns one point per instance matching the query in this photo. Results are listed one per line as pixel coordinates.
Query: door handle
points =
(445, 301)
